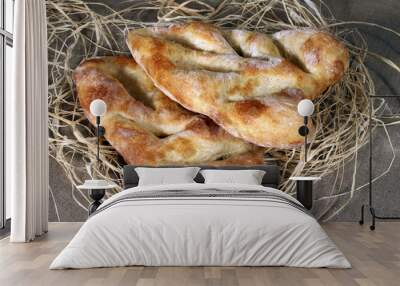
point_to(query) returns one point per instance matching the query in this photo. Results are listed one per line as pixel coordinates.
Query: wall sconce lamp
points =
(97, 188)
(98, 108)
(305, 184)
(305, 108)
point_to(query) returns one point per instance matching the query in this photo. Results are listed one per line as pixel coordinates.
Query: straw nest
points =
(79, 29)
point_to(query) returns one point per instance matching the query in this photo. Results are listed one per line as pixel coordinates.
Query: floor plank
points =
(375, 257)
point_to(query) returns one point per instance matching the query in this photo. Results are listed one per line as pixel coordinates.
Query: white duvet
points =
(200, 231)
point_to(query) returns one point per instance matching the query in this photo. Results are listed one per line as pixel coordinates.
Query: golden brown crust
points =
(195, 35)
(148, 128)
(252, 44)
(321, 55)
(252, 98)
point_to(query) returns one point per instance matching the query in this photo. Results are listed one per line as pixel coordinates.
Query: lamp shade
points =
(305, 107)
(98, 107)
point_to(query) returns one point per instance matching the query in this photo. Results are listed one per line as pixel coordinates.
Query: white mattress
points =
(193, 231)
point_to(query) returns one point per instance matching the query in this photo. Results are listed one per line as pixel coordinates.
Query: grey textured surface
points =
(386, 195)
(62, 205)
(386, 190)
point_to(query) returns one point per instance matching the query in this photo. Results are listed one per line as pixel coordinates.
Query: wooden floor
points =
(375, 257)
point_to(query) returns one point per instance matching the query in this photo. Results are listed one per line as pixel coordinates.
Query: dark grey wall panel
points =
(386, 190)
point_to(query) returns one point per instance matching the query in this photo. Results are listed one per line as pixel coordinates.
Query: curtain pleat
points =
(27, 159)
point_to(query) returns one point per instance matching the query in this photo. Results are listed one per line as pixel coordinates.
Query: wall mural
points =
(199, 83)
(252, 99)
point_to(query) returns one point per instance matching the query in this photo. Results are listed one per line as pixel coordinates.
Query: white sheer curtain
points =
(26, 124)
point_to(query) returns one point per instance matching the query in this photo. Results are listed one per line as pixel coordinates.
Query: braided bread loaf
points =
(148, 128)
(246, 82)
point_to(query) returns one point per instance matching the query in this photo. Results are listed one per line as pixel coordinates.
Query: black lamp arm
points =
(100, 131)
(303, 131)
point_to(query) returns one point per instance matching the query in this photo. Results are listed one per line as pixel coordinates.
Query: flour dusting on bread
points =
(237, 90)
(198, 94)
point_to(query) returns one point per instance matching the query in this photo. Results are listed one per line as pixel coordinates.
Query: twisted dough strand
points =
(241, 79)
(148, 128)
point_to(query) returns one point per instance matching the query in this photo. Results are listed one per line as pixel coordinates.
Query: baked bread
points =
(148, 128)
(246, 82)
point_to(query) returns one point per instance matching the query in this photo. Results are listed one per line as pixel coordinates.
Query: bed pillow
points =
(247, 177)
(166, 176)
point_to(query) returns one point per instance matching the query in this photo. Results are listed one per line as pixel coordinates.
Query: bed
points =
(198, 224)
